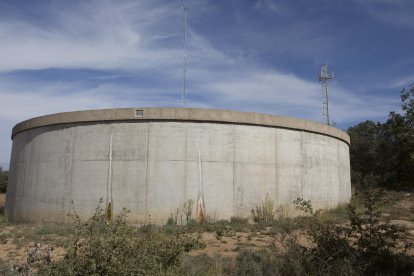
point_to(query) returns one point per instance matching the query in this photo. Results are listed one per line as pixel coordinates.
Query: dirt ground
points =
(231, 246)
(16, 241)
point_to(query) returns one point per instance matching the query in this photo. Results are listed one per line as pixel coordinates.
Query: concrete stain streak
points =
(200, 210)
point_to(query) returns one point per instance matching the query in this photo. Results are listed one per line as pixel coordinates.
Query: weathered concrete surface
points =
(64, 158)
(179, 114)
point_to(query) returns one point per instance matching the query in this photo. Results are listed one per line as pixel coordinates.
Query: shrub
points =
(256, 262)
(376, 240)
(180, 213)
(368, 245)
(100, 246)
(329, 244)
(264, 212)
(239, 224)
(203, 265)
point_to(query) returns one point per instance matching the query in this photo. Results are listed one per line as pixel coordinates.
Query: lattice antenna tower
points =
(324, 77)
(184, 81)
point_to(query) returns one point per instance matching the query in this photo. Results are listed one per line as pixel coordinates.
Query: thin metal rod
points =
(327, 106)
(183, 93)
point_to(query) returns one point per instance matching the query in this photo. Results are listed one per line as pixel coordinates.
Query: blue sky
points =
(249, 55)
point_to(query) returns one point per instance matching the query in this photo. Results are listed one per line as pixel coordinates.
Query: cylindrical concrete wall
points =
(151, 164)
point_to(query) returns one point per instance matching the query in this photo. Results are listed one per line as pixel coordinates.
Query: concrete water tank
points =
(148, 160)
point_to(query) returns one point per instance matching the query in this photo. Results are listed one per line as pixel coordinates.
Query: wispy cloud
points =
(138, 37)
(401, 83)
(393, 12)
(136, 47)
(269, 5)
(99, 34)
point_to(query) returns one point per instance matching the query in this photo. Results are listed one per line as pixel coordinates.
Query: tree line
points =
(382, 154)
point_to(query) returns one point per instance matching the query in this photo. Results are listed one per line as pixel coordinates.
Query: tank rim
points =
(137, 114)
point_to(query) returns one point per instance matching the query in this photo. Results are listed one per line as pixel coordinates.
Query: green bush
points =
(264, 212)
(256, 262)
(329, 249)
(368, 245)
(100, 246)
(204, 265)
(376, 241)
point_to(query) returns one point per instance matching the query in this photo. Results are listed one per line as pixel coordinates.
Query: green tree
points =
(397, 145)
(383, 154)
(364, 152)
(4, 175)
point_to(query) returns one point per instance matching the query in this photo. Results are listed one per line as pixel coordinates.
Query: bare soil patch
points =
(230, 246)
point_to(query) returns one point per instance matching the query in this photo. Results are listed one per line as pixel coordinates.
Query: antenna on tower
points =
(324, 77)
(185, 9)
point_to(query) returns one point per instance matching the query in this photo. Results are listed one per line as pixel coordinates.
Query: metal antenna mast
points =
(323, 78)
(185, 9)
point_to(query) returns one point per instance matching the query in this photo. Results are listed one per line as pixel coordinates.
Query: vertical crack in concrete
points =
(71, 203)
(339, 190)
(185, 163)
(147, 212)
(70, 180)
(109, 204)
(276, 195)
(200, 210)
(234, 171)
(303, 166)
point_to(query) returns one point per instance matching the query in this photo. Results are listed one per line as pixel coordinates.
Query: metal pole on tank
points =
(183, 93)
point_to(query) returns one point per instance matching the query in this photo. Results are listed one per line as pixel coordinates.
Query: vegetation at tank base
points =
(4, 175)
(382, 154)
(363, 242)
(367, 245)
(100, 246)
(182, 215)
(264, 212)
(349, 240)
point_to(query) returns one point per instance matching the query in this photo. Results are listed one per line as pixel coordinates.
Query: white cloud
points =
(21, 106)
(138, 36)
(99, 34)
